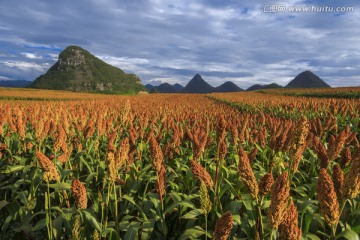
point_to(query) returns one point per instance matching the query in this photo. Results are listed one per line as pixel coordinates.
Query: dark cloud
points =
(189, 72)
(162, 41)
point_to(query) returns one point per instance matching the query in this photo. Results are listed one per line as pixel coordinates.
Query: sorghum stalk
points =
(79, 192)
(107, 204)
(260, 226)
(329, 206)
(338, 145)
(51, 173)
(222, 150)
(246, 174)
(116, 210)
(201, 174)
(279, 198)
(223, 227)
(205, 203)
(75, 233)
(288, 228)
(338, 180)
(265, 184)
(351, 187)
(48, 212)
(96, 235)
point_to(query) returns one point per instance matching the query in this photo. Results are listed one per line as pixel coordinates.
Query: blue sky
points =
(171, 41)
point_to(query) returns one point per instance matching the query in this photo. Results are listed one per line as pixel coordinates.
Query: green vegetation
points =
(78, 70)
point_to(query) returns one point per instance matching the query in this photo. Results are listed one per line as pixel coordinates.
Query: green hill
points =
(79, 70)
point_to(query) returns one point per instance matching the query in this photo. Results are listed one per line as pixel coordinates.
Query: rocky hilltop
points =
(79, 70)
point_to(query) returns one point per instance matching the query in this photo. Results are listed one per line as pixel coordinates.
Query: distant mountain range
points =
(165, 88)
(79, 70)
(15, 83)
(197, 84)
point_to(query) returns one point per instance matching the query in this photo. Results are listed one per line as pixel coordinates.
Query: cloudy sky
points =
(246, 42)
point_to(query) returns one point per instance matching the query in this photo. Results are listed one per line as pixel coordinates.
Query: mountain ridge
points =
(15, 83)
(164, 88)
(197, 84)
(256, 87)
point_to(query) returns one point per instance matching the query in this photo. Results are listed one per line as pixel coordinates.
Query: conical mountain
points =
(79, 70)
(228, 87)
(197, 85)
(307, 79)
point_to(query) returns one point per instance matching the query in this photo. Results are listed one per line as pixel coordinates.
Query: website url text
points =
(281, 8)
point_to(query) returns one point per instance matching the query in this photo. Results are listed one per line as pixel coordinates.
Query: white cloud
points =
(125, 63)
(158, 81)
(31, 55)
(5, 78)
(27, 66)
(123, 60)
(53, 56)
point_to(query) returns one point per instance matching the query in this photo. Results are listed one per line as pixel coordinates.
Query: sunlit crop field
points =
(178, 166)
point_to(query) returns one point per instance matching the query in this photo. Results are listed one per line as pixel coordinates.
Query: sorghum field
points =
(157, 166)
